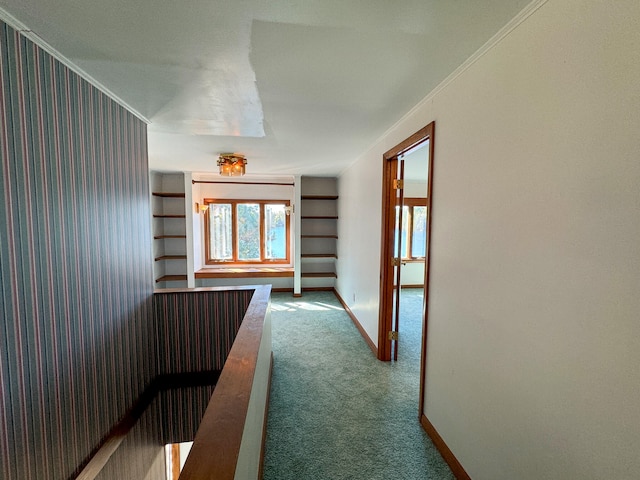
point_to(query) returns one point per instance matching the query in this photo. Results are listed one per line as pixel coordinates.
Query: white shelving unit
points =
(169, 229)
(319, 232)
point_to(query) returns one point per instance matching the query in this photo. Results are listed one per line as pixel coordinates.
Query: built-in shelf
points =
(319, 275)
(171, 257)
(319, 197)
(169, 223)
(319, 217)
(172, 278)
(169, 194)
(158, 237)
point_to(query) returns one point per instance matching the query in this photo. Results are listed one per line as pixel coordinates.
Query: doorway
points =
(405, 166)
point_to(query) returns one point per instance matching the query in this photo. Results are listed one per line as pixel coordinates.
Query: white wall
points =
(412, 274)
(359, 205)
(534, 341)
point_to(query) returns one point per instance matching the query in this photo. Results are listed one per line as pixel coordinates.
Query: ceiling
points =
(298, 86)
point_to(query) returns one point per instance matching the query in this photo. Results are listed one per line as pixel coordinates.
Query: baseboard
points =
(266, 419)
(356, 322)
(455, 466)
(318, 289)
(282, 290)
(306, 289)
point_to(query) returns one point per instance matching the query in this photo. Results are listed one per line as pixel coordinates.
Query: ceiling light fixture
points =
(232, 164)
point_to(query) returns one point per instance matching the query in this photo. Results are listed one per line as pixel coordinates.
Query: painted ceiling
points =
(299, 87)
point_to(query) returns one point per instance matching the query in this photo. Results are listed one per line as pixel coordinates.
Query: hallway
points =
(335, 411)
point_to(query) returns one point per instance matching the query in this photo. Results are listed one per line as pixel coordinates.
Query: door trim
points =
(389, 168)
(385, 320)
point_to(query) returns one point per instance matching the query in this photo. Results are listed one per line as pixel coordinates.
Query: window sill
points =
(244, 272)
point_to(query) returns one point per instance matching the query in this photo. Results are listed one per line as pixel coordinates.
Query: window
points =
(414, 229)
(246, 231)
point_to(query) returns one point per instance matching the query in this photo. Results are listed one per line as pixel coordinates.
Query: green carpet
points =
(336, 412)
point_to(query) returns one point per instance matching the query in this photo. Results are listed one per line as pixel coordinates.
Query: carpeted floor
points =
(336, 412)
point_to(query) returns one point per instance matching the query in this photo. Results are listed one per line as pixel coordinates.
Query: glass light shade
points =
(232, 164)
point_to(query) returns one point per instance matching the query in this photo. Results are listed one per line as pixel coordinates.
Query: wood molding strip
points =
(317, 289)
(244, 272)
(410, 142)
(169, 194)
(389, 169)
(305, 289)
(171, 278)
(170, 257)
(193, 182)
(357, 323)
(456, 467)
(175, 460)
(319, 197)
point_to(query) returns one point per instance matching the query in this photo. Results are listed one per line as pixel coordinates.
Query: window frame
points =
(234, 233)
(412, 202)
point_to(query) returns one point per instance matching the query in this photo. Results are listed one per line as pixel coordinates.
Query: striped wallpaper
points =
(173, 417)
(182, 411)
(81, 334)
(140, 456)
(77, 339)
(196, 330)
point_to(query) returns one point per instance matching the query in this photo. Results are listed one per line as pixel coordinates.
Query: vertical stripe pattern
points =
(196, 330)
(182, 411)
(141, 454)
(172, 417)
(77, 338)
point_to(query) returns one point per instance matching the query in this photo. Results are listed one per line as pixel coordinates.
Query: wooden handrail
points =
(229, 441)
(235, 419)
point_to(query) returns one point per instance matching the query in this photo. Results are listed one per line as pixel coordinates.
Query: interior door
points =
(390, 267)
(398, 254)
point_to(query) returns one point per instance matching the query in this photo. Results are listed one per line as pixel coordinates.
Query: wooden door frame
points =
(389, 169)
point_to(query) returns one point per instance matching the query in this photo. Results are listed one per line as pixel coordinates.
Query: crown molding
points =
(26, 32)
(489, 44)
(525, 13)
